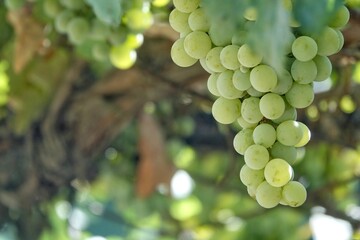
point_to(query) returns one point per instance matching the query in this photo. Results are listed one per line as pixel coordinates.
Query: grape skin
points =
(294, 194)
(289, 133)
(179, 21)
(197, 44)
(186, 6)
(304, 48)
(226, 111)
(243, 140)
(263, 78)
(300, 95)
(268, 196)
(264, 134)
(272, 106)
(256, 156)
(278, 172)
(250, 110)
(251, 177)
(180, 56)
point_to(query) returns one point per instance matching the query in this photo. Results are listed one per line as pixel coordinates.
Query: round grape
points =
(226, 111)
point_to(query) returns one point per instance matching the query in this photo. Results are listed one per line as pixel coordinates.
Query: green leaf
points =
(270, 34)
(312, 15)
(108, 11)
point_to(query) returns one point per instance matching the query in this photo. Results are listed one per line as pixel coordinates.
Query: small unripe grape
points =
(122, 57)
(78, 29)
(138, 20)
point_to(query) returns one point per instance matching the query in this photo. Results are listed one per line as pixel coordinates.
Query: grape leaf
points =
(270, 34)
(108, 11)
(314, 15)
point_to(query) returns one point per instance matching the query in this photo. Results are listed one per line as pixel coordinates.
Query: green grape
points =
(99, 30)
(118, 36)
(324, 68)
(228, 57)
(134, 40)
(122, 57)
(247, 57)
(250, 110)
(219, 35)
(300, 95)
(212, 84)
(78, 29)
(72, 4)
(244, 69)
(256, 156)
(304, 72)
(198, 21)
(289, 114)
(251, 177)
(329, 42)
(14, 4)
(278, 172)
(252, 191)
(160, 3)
(62, 20)
(289, 133)
(284, 83)
(254, 93)
(204, 66)
(264, 134)
(250, 14)
(138, 20)
(245, 124)
(213, 60)
(241, 80)
(268, 196)
(226, 87)
(272, 105)
(341, 39)
(243, 140)
(197, 44)
(51, 8)
(341, 18)
(179, 21)
(263, 78)
(226, 111)
(186, 6)
(289, 42)
(294, 194)
(100, 51)
(179, 55)
(304, 48)
(288, 153)
(306, 135)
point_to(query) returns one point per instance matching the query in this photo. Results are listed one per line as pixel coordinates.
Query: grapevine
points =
(260, 98)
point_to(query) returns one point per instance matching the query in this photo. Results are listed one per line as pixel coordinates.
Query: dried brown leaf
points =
(154, 167)
(29, 37)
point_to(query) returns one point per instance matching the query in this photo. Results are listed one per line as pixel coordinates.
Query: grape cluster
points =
(108, 41)
(260, 99)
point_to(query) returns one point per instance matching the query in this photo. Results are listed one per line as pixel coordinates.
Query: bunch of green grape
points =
(260, 99)
(114, 42)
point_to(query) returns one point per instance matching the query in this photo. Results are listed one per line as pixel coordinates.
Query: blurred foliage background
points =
(92, 152)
